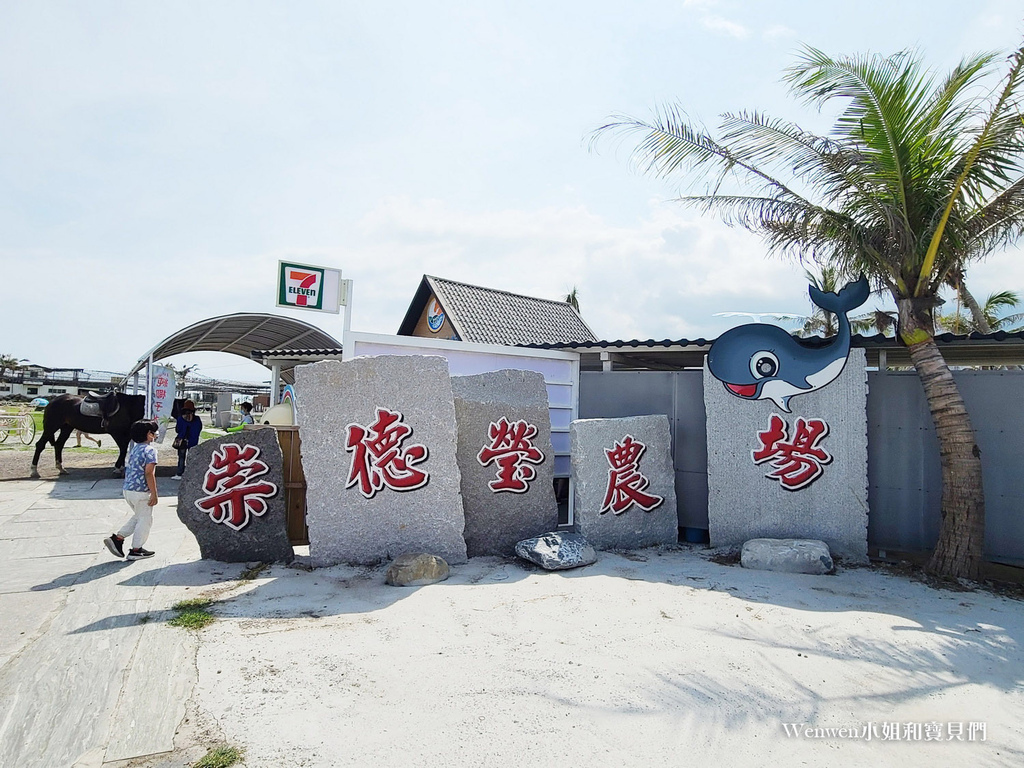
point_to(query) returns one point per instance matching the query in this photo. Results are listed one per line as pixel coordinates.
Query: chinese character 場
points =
(797, 463)
(233, 488)
(510, 446)
(625, 482)
(379, 459)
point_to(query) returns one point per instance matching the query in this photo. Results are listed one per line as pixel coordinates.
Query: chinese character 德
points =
(233, 487)
(625, 481)
(379, 460)
(797, 463)
(509, 448)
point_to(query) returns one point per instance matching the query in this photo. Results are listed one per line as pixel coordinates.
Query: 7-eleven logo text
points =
(303, 287)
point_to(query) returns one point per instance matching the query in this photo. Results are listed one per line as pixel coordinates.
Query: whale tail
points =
(850, 297)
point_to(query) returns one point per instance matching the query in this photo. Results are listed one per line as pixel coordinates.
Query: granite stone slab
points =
(232, 498)
(625, 500)
(379, 455)
(505, 459)
(745, 502)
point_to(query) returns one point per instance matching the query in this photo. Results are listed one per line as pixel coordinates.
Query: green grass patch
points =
(204, 435)
(192, 614)
(219, 757)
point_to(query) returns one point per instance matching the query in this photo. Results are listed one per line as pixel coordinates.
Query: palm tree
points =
(916, 179)
(992, 313)
(572, 298)
(10, 363)
(822, 323)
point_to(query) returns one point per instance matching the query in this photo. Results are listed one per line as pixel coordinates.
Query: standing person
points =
(139, 492)
(187, 431)
(79, 434)
(247, 413)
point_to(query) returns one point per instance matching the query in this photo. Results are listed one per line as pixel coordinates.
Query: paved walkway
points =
(90, 672)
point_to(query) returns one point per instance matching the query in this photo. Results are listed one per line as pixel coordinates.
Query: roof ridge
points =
(499, 290)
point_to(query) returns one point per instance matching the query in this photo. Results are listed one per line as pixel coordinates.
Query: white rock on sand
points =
(655, 659)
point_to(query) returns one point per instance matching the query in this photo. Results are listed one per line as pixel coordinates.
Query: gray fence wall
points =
(904, 476)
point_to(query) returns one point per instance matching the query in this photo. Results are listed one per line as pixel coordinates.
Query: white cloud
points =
(731, 28)
(778, 32)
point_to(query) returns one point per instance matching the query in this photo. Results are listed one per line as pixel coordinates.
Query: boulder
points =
(232, 498)
(505, 459)
(557, 551)
(787, 555)
(416, 570)
(624, 482)
(378, 452)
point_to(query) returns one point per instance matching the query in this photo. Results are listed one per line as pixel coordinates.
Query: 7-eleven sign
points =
(301, 286)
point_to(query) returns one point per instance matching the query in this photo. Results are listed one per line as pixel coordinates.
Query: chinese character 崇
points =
(509, 448)
(798, 462)
(233, 487)
(625, 482)
(378, 458)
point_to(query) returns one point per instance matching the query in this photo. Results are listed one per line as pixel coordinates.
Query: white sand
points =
(658, 659)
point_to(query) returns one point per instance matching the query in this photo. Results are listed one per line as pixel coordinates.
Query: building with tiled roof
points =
(446, 309)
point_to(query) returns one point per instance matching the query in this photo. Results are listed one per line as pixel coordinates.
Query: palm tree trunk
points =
(959, 550)
(977, 313)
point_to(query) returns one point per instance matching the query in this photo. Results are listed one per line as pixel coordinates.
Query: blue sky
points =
(157, 159)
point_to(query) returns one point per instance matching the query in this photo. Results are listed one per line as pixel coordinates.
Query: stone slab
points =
(787, 556)
(625, 524)
(557, 551)
(350, 522)
(745, 504)
(504, 506)
(230, 526)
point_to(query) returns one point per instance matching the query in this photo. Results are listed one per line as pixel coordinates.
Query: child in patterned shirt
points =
(139, 492)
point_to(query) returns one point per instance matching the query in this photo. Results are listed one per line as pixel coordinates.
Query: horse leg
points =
(123, 448)
(40, 445)
(58, 447)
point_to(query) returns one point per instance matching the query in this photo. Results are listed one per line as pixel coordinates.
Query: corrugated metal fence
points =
(904, 476)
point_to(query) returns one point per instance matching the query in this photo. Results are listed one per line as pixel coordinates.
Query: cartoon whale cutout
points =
(763, 362)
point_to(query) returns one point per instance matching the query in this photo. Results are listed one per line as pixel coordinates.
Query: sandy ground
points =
(643, 659)
(650, 658)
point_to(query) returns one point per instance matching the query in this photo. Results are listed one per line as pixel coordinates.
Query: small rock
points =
(416, 570)
(557, 551)
(787, 555)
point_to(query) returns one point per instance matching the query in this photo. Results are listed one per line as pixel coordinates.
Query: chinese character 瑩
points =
(511, 445)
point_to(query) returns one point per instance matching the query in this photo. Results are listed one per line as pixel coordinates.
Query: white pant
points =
(141, 520)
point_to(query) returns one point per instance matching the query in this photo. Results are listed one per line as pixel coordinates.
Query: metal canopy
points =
(239, 334)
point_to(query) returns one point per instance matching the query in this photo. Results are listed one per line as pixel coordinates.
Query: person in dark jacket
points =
(187, 430)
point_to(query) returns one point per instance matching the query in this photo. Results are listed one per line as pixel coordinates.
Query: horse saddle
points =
(101, 406)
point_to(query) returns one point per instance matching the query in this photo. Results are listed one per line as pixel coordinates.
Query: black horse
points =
(112, 413)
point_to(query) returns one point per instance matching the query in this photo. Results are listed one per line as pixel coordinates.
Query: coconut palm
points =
(993, 312)
(10, 363)
(822, 323)
(917, 178)
(572, 298)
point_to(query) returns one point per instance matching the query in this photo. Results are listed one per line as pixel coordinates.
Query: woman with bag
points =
(187, 431)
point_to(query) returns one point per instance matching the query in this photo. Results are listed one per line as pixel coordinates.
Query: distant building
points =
(39, 381)
(445, 309)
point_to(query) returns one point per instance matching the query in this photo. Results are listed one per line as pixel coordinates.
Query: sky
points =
(157, 160)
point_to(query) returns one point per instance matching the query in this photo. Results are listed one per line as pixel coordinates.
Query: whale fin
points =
(850, 297)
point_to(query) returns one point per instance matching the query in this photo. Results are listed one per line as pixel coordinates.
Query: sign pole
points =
(348, 305)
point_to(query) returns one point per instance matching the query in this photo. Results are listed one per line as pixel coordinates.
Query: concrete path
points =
(90, 672)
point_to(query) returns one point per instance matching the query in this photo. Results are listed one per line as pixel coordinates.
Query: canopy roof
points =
(239, 334)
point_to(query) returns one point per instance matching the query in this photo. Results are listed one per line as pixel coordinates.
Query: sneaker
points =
(176, 477)
(114, 544)
(139, 554)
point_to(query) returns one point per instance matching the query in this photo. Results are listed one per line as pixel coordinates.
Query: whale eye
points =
(763, 364)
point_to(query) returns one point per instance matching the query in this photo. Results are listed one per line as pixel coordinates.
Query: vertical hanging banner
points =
(161, 391)
(303, 286)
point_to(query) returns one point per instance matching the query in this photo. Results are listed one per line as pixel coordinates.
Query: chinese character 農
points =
(512, 449)
(233, 486)
(626, 483)
(378, 458)
(798, 462)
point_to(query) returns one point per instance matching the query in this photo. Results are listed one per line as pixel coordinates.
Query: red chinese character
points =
(161, 393)
(625, 482)
(162, 380)
(510, 447)
(233, 490)
(378, 457)
(797, 463)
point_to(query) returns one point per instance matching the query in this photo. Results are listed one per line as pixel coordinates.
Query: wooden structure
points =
(294, 485)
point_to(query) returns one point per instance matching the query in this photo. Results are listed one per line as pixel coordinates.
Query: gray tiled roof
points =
(489, 316)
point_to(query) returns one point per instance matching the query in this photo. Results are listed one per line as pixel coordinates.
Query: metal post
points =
(149, 388)
(348, 306)
(135, 383)
(275, 383)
